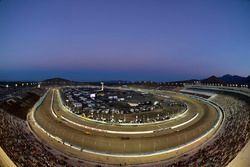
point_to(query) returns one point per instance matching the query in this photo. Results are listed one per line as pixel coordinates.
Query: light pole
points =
(102, 88)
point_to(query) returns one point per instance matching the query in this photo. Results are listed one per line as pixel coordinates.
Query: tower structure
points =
(39, 85)
(102, 88)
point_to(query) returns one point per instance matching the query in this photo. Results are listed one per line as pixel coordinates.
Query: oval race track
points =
(125, 144)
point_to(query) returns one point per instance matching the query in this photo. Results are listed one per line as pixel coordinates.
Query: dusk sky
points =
(160, 40)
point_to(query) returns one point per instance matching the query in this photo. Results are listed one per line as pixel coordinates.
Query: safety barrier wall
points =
(5, 160)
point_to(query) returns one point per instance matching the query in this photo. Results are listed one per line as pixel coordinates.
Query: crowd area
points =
(230, 140)
(21, 145)
(26, 150)
(18, 101)
(9, 93)
(16, 139)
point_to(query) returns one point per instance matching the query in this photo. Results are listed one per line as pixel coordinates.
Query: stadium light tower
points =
(102, 86)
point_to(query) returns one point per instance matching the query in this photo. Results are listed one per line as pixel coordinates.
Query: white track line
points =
(122, 132)
(184, 123)
(106, 131)
(96, 129)
(51, 105)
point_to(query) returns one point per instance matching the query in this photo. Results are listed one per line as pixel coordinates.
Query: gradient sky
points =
(159, 40)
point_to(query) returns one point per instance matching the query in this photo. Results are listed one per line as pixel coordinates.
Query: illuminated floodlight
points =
(92, 95)
(7, 86)
(102, 86)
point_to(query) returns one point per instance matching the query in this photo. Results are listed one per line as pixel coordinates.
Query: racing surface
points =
(125, 144)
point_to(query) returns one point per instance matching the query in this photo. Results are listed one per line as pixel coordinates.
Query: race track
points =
(125, 144)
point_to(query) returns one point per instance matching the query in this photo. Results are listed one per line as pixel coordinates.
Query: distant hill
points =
(58, 81)
(213, 79)
(235, 79)
(227, 79)
(248, 79)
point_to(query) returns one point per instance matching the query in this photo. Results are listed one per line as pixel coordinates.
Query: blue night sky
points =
(92, 40)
